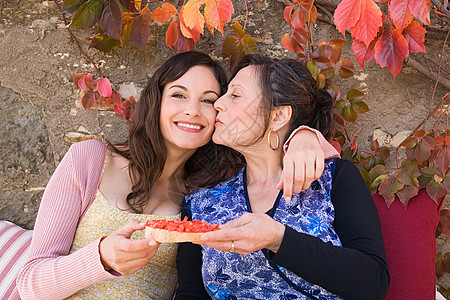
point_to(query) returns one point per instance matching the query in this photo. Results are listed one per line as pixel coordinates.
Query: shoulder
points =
(345, 166)
(88, 151)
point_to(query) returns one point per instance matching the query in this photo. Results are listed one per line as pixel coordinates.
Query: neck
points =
(174, 166)
(264, 166)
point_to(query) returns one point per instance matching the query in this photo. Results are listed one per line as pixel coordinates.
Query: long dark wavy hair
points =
(287, 82)
(145, 148)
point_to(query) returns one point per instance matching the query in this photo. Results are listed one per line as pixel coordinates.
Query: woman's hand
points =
(123, 255)
(302, 164)
(247, 234)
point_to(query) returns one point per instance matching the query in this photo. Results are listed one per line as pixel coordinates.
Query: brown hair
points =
(145, 148)
(287, 82)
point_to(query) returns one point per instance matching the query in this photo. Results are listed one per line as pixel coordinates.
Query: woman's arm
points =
(304, 160)
(50, 273)
(359, 269)
(189, 265)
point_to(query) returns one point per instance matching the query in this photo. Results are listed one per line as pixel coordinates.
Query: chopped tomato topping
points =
(184, 225)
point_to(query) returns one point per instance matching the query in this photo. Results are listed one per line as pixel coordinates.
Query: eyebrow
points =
(185, 89)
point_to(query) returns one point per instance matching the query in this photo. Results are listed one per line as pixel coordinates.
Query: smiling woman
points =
(88, 233)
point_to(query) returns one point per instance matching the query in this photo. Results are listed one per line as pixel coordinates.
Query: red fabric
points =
(409, 239)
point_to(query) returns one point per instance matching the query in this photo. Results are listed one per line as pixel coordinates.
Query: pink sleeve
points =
(50, 272)
(328, 149)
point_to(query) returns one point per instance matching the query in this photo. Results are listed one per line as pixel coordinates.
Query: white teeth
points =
(189, 125)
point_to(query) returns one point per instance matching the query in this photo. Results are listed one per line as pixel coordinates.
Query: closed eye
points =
(208, 101)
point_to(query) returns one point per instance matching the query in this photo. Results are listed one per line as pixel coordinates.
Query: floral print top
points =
(234, 276)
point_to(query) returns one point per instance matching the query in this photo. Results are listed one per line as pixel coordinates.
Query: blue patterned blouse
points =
(234, 276)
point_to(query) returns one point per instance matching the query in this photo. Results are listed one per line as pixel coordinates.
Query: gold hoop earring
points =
(277, 140)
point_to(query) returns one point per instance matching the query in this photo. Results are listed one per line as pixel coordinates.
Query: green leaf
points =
(349, 114)
(360, 107)
(424, 181)
(378, 170)
(111, 19)
(238, 29)
(71, 6)
(355, 95)
(328, 73)
(104, 43)
(377, 182)
(406, 174)
(313, 69)
(366, 176)
(249, 44)
(87, 15)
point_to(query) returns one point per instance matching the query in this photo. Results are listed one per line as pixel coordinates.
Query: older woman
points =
(324, 244)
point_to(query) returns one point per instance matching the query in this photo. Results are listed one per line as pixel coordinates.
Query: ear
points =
(280, 117)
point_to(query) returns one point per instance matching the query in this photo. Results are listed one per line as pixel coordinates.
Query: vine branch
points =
(74, 39)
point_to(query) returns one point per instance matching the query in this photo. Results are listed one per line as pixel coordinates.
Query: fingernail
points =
(287, 199)
(142, 223)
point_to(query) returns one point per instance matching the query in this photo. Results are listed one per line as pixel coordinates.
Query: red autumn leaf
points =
(77, 78)
(439, 140)
(347, 14)
(192, 17)
(182, 43)
(228, 46)
(400, 13)
(362, 52)
(286, 43)
(423, 149)
(297, 19)
(86, 83)
(126, 108)
(419, 133)
(186, 31)
(87, 14)
(388, 187)
(287, 13)
(421, 10)
(369, 23)
(443, 160)
(406, 174)
(445, 221)
(218, 13)
(383, 153)
(309, 11)
(406, 193)
(111, 19)
(436, 191)
(88, 100)
(336, 145)
(115, 98)
(297, 41)
(415, 36)
(374, 145)
(172, 33)
(442, 264)
(447, 141)
(390, 50)
(336, 49)
(164, 12)
(140, 30)
(104, 87)
(346, 69)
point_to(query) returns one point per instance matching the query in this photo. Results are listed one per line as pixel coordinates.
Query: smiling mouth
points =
(191, 126)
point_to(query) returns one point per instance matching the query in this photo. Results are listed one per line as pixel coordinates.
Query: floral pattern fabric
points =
(233, 276)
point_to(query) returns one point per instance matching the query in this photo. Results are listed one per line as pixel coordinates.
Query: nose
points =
(192, 108)
(219, 105)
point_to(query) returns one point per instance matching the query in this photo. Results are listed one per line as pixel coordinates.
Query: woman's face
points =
(239, 120)
(187, 109)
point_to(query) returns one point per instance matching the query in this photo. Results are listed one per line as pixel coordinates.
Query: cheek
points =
(210, 114)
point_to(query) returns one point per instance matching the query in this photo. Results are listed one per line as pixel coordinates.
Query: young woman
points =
(81, 247)
(325, 243)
